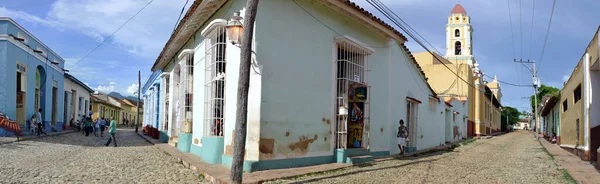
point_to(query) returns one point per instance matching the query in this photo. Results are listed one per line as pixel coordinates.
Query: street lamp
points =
(235, 29)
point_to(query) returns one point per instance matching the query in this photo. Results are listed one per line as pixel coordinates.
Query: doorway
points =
(449, 133)
(21, 100)
(54, 105)
(411, 121)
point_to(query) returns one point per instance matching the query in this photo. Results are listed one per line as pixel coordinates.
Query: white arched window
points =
(214, 86)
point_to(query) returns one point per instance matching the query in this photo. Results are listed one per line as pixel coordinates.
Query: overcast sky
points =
(73, 28)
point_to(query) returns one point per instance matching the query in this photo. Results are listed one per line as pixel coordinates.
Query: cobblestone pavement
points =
(511, 158)
(74, 158)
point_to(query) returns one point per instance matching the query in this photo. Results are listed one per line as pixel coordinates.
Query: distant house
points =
(105, 106)
(31, 76)
(329, 83)
(550, 116)
(77, 99)
(580, 120)
(153, 92)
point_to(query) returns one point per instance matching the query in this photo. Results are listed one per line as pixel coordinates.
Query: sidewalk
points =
(6, 140)
(216, 173)
(581, 171)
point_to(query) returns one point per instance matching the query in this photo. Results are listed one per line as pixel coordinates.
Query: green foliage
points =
(542, 91)
(513, 116)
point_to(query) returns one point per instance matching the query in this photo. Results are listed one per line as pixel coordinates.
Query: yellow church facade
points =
(457, 75)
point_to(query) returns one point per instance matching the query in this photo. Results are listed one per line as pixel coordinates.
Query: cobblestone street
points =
(74, 158)
(512, 158)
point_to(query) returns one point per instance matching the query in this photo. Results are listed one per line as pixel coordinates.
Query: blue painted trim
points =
(163, 136)
(380, 153)
(47, 126)
(212, 149)
(184, 142)
(251, 165)
(59, 126)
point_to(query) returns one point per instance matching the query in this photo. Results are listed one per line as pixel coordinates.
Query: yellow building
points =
(130, 111)
(454, 75)
(580, 120)
(103, 109)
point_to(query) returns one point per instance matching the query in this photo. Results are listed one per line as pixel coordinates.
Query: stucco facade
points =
(294, 115)
(579, 128)
(77, 99)
(457, 75)
(104, 106)
(32, 76)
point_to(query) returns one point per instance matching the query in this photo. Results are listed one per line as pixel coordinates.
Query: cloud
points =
(4, 12)
(144, 35)
(132, 89)
(106, 88)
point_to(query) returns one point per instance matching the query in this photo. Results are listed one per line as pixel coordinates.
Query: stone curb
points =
(35, 137)
(218, 180)
(186, 164)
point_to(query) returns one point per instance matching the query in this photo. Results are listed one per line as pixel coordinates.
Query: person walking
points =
(96, 127)
(33, 125)
(102, 126)
(402, 137)
(87, 125)
(112, 130)
(40, 122)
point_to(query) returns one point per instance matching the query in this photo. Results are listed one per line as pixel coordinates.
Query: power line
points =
(382, 8)
(521, 25)
(507, 83)
(531, 34)
(388, 15)
(111, 35)
(512, 34)
(547, 33)
(180, 13)
(317, 19)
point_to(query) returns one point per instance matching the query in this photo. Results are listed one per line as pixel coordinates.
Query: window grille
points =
(166, 113)
(351, 67)
(214, 86)
(186, 92)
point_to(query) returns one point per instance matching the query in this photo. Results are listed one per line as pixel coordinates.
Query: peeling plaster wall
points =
(297, 97)
(459, 125)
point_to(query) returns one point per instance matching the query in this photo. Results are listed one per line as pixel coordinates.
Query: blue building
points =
(154, 113)
(32, 77)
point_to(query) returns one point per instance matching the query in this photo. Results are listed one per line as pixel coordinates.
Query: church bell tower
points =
(459, 40)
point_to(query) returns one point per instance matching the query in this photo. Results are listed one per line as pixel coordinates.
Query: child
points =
(33, 125)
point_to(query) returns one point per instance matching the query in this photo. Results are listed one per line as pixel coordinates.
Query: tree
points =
(513, 117)
(542, 91)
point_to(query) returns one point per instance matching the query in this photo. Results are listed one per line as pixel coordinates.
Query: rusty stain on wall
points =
(266, 148)
(266, 145)
(302, 144)
(326, 120)
(229, 147)
(456, 132)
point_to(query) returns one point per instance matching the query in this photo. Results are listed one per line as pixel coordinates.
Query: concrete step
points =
(359, 159)
(173, 141)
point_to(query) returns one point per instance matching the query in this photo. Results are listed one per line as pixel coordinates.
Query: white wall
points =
(297, 81)
(80, 92)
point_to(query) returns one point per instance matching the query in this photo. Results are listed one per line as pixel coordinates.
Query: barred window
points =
(214, 111)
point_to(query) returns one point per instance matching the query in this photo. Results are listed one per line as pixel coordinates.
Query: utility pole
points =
(239, 141)
(138, 103)
(535, 90)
